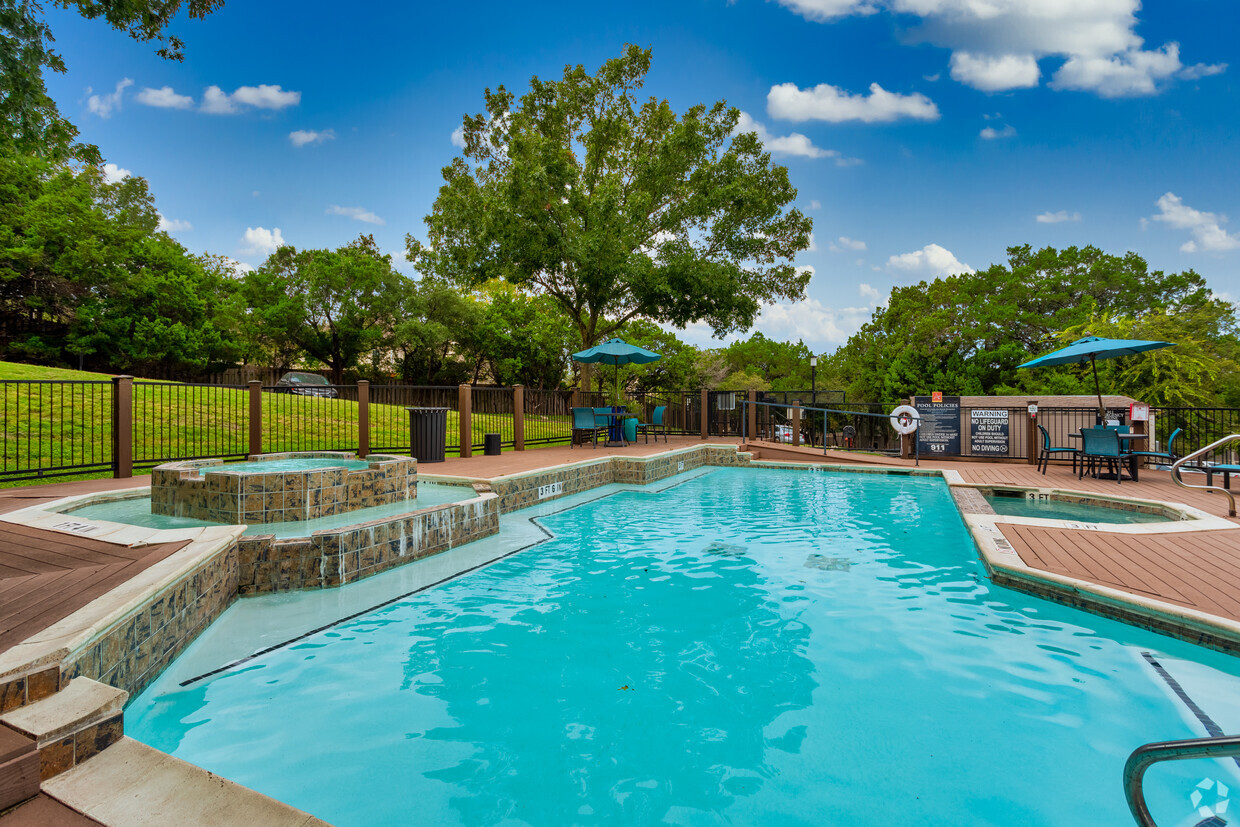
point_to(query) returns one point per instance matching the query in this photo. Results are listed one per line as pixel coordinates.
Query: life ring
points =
(904, 419)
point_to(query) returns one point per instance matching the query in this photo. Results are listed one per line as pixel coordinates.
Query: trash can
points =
(428, 432)
(491, 446)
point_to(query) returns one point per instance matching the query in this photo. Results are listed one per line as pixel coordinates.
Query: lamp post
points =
(813, 393)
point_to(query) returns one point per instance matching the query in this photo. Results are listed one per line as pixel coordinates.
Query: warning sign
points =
(988, 432)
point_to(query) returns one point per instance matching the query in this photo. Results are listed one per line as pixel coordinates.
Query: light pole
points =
(813, 394)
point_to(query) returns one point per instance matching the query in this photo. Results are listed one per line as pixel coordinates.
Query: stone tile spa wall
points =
(334, 557)
(240, 494)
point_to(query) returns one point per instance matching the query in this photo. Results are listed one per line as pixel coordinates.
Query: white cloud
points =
(114, 174)
(165, 98)
(812, 322)
(872, 295)
(825, 102)
(458, 137)
(259, 241)
(989, 133)
(356, 213)
(794, 144)
(815, 204)
(812, 248)
(240, 268)
(1201, 70)
(932, 261)
(822, 10)
(301, 137)
(1058, 217)
(846, 243)
(103, 105)
(174, 225)
(995, 73)
(215, 101)
(1208, 236)
(1123, 75)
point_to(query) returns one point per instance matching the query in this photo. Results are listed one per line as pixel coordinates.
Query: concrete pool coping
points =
(1002, 561)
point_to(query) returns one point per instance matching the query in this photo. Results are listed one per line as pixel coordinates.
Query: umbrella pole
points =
(1102, 413)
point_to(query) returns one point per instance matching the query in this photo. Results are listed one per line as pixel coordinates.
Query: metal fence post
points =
(464, 415)
(518, 417)
(363, 417)
(705, 414)
(796, 423)
(256, 417)
(122, 427)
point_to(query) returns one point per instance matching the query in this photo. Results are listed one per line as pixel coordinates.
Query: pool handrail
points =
(1144, 757)
(745, 421)
(1175, 471)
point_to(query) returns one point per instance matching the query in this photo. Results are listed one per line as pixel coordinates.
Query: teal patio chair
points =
(1044, 458)
(1169, 455)
(584, 419)
(656, 422)
(1101, 444)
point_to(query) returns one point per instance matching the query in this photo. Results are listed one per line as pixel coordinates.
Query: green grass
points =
(58, 424)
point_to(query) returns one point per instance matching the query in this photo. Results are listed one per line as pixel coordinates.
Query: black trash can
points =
(428, 432)
(491, 446)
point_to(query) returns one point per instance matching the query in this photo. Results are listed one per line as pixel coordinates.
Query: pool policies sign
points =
(939, 432)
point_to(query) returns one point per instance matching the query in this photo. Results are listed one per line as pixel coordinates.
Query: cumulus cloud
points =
(825, 102)
(259, 241)
(174, 225)
(930, 261)
(215, 101)
(989, 133)
(356, 213)
(846, 243)
(165, 97)
(114, 174)
(104, 105)
(302, 137)
(815, 204)
(794, 144)
(458, 137)
(873, 296)
(1058, 217)
(996, 44)
(1207, 235)
(994, 73)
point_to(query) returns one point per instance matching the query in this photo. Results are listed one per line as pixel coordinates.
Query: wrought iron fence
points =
(55, 429)
(389, 419)
(176, 421)
(298, 422)
(548, 416)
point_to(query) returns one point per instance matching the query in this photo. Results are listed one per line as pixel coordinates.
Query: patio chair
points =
(1101, 444)
(1169, 455)
(584, 419)
(656, 422)
(1044, 458)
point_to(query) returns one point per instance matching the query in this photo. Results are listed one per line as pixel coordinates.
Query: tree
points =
(336, 305)
(31, 123)
(781, 365)
(522, 338)
(617, 209)
(427, 339)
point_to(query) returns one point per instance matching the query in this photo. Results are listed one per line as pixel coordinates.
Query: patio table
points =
(1132, 461)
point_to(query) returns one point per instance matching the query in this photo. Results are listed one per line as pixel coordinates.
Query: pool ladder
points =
(1144, 757)
(1200, 452)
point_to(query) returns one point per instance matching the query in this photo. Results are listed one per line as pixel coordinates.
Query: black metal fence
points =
(55, 429)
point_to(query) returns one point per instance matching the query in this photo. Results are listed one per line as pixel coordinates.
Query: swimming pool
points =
(1096, 510)
(753, 646)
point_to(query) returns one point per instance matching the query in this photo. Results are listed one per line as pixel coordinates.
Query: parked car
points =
(305, 384)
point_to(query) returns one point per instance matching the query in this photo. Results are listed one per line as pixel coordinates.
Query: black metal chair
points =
(1044, 457)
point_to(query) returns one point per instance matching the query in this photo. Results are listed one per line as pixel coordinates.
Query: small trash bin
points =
(491, 446)
(428, 432)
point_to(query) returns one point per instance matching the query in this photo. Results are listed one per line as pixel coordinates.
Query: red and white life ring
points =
(904, 419)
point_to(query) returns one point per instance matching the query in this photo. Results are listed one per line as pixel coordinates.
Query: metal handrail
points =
(1146, 756)
(745, 421)
(1175, 471)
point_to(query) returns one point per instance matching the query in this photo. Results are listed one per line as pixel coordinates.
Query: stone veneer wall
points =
(133, 651)
(332, 558)
(224, 494)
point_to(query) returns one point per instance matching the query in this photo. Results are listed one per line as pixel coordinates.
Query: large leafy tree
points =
(434, 335)
(617, 208)
(967, 334)
(522, 338)
(336, 305)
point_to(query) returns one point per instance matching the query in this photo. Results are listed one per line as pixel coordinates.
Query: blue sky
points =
(924, 136)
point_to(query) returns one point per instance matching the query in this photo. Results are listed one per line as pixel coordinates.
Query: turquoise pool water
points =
(280, 466)
(748, 647)
(137, 511)
(1077, 512)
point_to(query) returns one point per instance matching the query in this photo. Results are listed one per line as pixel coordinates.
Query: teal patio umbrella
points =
(616, 352)
(1090, 349)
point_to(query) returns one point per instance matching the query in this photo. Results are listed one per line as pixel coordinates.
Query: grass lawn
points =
(60, 425)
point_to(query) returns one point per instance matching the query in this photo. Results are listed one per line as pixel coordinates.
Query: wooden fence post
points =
(705, 414)
(796, 423)
(464, 415)
(518, 417)
(256, 417)
(363, 418)
(122, 427)
(752, 433)
(1032, 451)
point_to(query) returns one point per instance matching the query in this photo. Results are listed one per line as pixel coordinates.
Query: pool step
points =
(72, 725)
